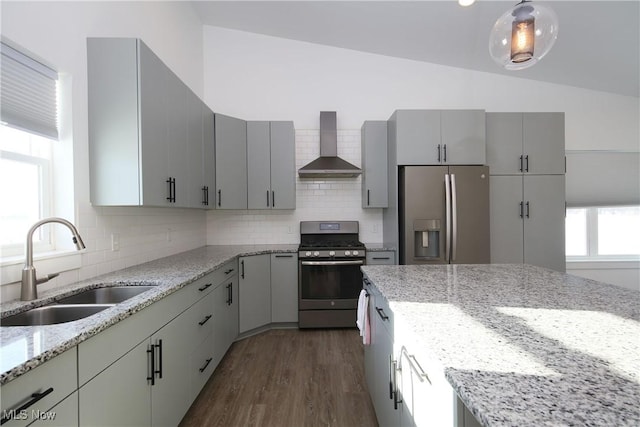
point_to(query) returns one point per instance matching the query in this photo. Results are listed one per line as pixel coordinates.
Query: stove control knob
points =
(307, 253)
(332, 253)
(316, 253)
(347, 253)
(355, 253)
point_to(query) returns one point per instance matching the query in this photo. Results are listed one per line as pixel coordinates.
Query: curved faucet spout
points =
(28, 290)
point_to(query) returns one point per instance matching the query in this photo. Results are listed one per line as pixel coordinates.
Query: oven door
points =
(329, 284)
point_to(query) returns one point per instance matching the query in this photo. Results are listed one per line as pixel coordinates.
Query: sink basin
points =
(53, 314)
(107, 295)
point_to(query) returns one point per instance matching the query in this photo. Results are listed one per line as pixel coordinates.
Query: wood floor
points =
(288, 378)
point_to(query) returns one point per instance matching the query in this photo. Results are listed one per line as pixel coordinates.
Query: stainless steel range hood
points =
(329, 165)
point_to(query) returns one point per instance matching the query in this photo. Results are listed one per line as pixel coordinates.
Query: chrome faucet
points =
(28, 289)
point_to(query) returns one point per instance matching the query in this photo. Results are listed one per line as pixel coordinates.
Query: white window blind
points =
(602, 178)
(28, 93)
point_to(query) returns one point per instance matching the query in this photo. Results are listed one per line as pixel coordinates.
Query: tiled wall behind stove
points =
(316, 200)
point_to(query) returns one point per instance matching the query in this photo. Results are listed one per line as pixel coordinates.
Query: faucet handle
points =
(46, 279)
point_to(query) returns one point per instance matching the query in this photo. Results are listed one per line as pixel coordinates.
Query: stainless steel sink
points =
(106, 295)
(53, 314)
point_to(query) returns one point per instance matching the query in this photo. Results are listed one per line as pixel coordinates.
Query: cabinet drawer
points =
(202, 318)
(382, 311)
(381, 258)
(224, 272)
(202, 365)
(55, 378)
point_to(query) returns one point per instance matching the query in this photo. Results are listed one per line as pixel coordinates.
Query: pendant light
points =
(523, 35)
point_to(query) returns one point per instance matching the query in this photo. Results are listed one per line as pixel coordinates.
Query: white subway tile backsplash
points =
(334, 199)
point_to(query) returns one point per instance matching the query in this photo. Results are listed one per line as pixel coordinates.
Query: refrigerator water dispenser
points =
(426, 238)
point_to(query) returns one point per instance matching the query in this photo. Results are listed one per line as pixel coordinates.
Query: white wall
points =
(258, 77)
(56, 32)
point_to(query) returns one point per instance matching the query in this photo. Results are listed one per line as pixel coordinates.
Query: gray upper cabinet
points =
(434, 137)
(231, 162)
(208, 159)
(270, 165)
(374, 165)
(417, 136)
(463, 137)
(525, 143)
(145, 128)
(283, 165)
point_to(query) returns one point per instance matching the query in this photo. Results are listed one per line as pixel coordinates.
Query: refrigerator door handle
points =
(454, 217)
(447, 218)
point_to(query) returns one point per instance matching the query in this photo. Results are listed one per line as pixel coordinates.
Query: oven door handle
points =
(354, 262)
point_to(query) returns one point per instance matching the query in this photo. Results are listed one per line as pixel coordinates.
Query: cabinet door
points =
(170, 396)
(387, 410)
(284, 288)
(225, 328)
(543, 136)
(417, 137)
(40, 388)
(208, 157)
(370, 373)
(231, 162)
(154, 149)
(283, 166)
(374, 165)
(506, 219)
(177, 118)
(463, 137)
(544, 234)
(195, 152)
(504, 143)
(120, 395)
(255, 291)
(258, 165)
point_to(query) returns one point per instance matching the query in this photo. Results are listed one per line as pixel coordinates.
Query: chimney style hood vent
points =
(329, 165)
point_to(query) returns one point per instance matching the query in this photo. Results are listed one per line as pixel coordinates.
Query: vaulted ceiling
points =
(598, 46)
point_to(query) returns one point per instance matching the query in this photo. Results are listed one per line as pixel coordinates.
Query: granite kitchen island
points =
(519, 345)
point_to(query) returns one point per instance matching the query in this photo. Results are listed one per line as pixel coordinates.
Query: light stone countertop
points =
(522, 345)
(22, 348)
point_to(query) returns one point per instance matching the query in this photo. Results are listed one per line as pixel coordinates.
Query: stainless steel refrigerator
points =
(444, 214)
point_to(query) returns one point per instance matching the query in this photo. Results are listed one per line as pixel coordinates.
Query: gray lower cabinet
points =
(226, 312)
(37, 391)
(148, 368)
(145, 128)
(527, 220)
(374, 164)
(407, 389)
(284, 288)
(525, 143)
(255, 291)
(120, 394)
(434, 137)
(231, 162)
(271, 165)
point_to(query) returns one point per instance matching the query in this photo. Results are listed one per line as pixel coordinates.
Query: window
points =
(28, 132)
(25, 168)
(611, 232)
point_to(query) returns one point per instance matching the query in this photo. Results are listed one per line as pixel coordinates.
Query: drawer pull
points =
(205, 320)
(284, 256)
(381, 257)
(229, 271)
(204, 287)
(206, 364)
(35, 397)
(381, 313)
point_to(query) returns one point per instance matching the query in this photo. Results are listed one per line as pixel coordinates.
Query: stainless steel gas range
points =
(330, 255)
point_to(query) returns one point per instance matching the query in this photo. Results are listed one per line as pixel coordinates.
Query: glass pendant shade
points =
(523, 35)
